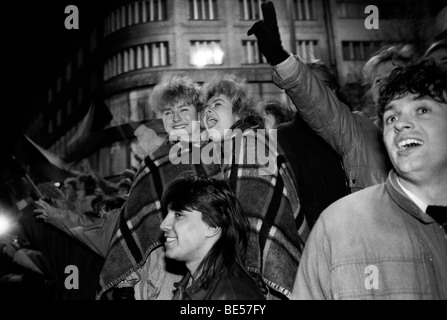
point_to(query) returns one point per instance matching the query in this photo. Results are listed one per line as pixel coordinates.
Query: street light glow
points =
(5, 224)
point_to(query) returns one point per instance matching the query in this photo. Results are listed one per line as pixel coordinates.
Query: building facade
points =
(136, 43)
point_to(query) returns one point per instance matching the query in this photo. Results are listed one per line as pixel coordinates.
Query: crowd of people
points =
(248, 200)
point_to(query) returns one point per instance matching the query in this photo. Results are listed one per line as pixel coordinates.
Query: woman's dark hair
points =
(425, 79)
(220, 208)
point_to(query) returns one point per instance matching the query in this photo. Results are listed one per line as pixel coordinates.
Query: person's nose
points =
(404, 122)
(166, 224)
(176, 116)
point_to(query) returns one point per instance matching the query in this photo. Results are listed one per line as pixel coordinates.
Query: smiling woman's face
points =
(180, 117)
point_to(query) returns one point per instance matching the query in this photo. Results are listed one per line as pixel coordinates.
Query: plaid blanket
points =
(265, 189)
(270, 200)
(139, 226)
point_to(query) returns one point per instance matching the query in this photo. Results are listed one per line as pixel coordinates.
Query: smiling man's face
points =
(415, 133)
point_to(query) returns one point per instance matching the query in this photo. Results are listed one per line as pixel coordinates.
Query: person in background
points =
(205, 228)
(438, 52)
(274, 112)
(379, 66)
(95, 228)
(86, 186)
(124, 187)
(318, 170)
(69, 195)
(389, 241)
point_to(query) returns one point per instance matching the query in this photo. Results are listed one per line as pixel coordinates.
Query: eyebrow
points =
(177, 107)
(218, 99)
(184, 105)
(389, 107)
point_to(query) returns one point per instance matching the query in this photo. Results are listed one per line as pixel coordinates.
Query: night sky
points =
(35, 38)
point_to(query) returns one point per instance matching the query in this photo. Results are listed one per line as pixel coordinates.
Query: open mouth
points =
(210, 121)
(408, 144)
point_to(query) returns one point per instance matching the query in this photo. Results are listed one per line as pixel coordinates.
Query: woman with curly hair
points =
(262, 181)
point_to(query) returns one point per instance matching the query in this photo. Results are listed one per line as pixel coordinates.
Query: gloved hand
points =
(267, 33)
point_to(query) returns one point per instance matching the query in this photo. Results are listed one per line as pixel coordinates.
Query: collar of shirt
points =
(420, 203)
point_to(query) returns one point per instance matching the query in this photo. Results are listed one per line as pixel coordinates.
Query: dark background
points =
(34, 39)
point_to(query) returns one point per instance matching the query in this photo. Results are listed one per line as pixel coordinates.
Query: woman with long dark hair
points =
(204, 226)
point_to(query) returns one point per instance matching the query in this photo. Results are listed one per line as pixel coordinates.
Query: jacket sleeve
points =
(313, 280)
(319, 106)
(96, 233)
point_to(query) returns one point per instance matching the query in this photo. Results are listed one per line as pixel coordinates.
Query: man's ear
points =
(212, 232)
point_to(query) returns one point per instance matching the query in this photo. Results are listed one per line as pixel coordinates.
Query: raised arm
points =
(317, 104)
(96, 234)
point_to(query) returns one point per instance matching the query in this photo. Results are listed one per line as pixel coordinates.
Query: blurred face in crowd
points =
(180, 118)
(218, 116)
(415, 132)
(80, 185)
(381, 72)
(188, 237)
(68, 189)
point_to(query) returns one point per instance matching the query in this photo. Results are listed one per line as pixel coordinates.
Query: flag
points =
(97, 117)
(50, 157)
(90, 131)
(40, 163)
(107, 136)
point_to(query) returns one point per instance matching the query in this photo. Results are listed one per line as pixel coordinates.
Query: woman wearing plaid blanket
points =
(136, 254)
(263, 184)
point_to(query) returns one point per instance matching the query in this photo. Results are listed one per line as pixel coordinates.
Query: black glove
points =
(267, 33)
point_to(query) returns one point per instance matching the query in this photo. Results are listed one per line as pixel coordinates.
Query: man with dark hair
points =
(205, 228)
(389, 241)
